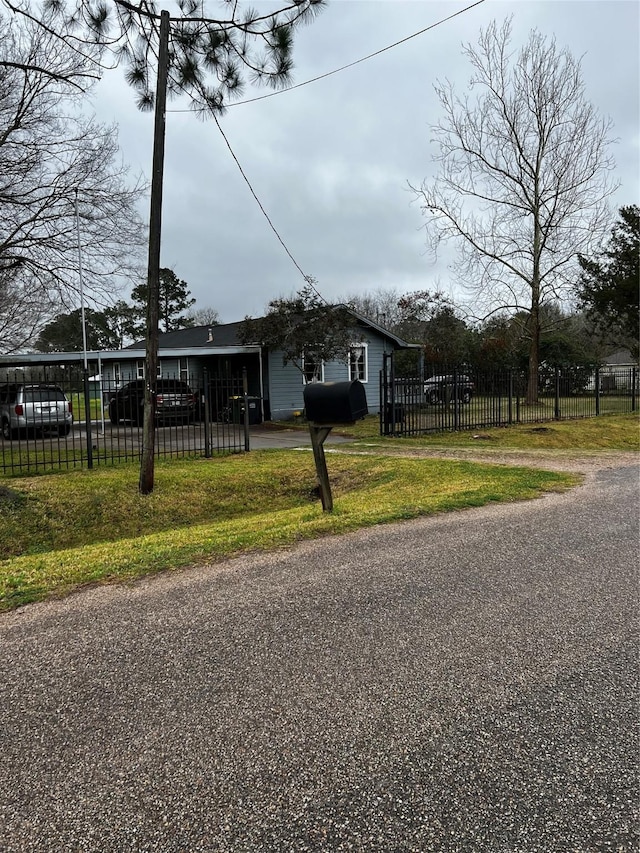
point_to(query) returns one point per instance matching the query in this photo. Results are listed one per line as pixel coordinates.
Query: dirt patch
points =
(8, 496)
(578, 462)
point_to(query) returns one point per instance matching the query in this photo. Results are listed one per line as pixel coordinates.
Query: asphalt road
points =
(467, 682)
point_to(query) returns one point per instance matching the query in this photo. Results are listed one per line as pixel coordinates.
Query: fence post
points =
(456, 400)
(87, 417)
(207, 412)
(510, 390)
(382, 395)
(245, 395)
(556, 408)
(388, 404)
(597, 381)
(634, 379)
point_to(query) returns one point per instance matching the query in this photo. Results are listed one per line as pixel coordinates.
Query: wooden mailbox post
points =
(329, 404)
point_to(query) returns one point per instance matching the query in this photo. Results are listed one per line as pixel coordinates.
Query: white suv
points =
(42, 408)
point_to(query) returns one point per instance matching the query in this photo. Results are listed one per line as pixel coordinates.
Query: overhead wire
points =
(357, 61)
(308, 278)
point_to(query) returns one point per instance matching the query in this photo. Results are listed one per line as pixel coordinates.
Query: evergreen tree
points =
(175, 298)
(609, 286)
(64, 333)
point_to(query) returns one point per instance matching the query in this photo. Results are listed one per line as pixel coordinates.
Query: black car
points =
(175, 402)
(439, 389)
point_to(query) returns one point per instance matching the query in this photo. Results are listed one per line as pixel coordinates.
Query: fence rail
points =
(453, 398)
(37, 434)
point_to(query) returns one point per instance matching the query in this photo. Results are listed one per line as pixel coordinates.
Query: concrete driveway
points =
(262, 437)
(466, 682)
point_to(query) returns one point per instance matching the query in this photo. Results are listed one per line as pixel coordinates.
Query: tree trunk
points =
(534, 349)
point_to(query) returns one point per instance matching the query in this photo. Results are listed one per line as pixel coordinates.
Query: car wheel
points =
(7, 432)
(466, 396)
(64, 430)
(433, 397)
(113, 415)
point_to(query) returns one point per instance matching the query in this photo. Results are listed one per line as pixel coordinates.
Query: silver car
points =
(40, 408)
(439, 389)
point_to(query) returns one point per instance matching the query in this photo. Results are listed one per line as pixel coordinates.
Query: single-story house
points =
(618, 372)
(217, 350)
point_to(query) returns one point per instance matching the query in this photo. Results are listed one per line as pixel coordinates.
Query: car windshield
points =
(43, 395)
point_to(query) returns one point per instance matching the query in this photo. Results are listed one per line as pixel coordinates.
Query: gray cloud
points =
(330, 161)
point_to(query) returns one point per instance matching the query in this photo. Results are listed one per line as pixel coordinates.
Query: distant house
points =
(618, 372)
(189, 353)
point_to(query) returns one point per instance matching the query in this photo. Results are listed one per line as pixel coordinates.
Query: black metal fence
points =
(37, 434)
(454, 398)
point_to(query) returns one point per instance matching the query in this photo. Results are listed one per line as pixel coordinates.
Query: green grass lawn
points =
(608, 432)
(61, 531)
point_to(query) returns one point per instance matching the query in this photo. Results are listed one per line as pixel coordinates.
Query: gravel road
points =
(466, 682)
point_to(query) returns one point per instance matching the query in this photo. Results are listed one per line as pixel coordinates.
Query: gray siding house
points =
(209, 353)
(188, 353)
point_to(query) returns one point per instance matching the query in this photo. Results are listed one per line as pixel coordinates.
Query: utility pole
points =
(147, 461)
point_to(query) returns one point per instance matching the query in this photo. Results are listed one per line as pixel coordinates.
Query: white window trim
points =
(364, 346)
(183, 372)
(304, 378)
(140, 365)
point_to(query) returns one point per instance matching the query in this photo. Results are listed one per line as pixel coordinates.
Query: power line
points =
(349, 64)
(309, 279)
(357, 61)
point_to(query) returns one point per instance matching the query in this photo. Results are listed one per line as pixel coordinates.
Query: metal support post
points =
(245, 395)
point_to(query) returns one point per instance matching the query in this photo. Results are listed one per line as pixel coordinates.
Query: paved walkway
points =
(465, 682)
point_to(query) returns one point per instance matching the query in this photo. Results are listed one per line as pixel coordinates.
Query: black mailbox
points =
(335, 402)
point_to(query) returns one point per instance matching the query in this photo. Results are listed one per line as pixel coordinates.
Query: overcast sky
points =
(331, 161)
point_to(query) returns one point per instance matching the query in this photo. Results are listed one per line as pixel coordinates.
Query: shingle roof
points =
(226, 335)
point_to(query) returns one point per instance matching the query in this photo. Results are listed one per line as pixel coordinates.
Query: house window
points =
(117, 376)
(184, 369)
(312, 368)
(358, 367)
(159, 369)
(140, 368)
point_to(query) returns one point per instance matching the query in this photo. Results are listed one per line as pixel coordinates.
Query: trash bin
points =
(394, 415)
(236, 404)
(394, 412)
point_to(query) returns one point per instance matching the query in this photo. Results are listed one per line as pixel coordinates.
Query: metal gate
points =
(458, 397)
(34, 437)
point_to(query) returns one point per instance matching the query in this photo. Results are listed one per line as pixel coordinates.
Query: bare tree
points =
(51, 155)
(379, 305)
(22, 312)
(524, 177)
(205, 316)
